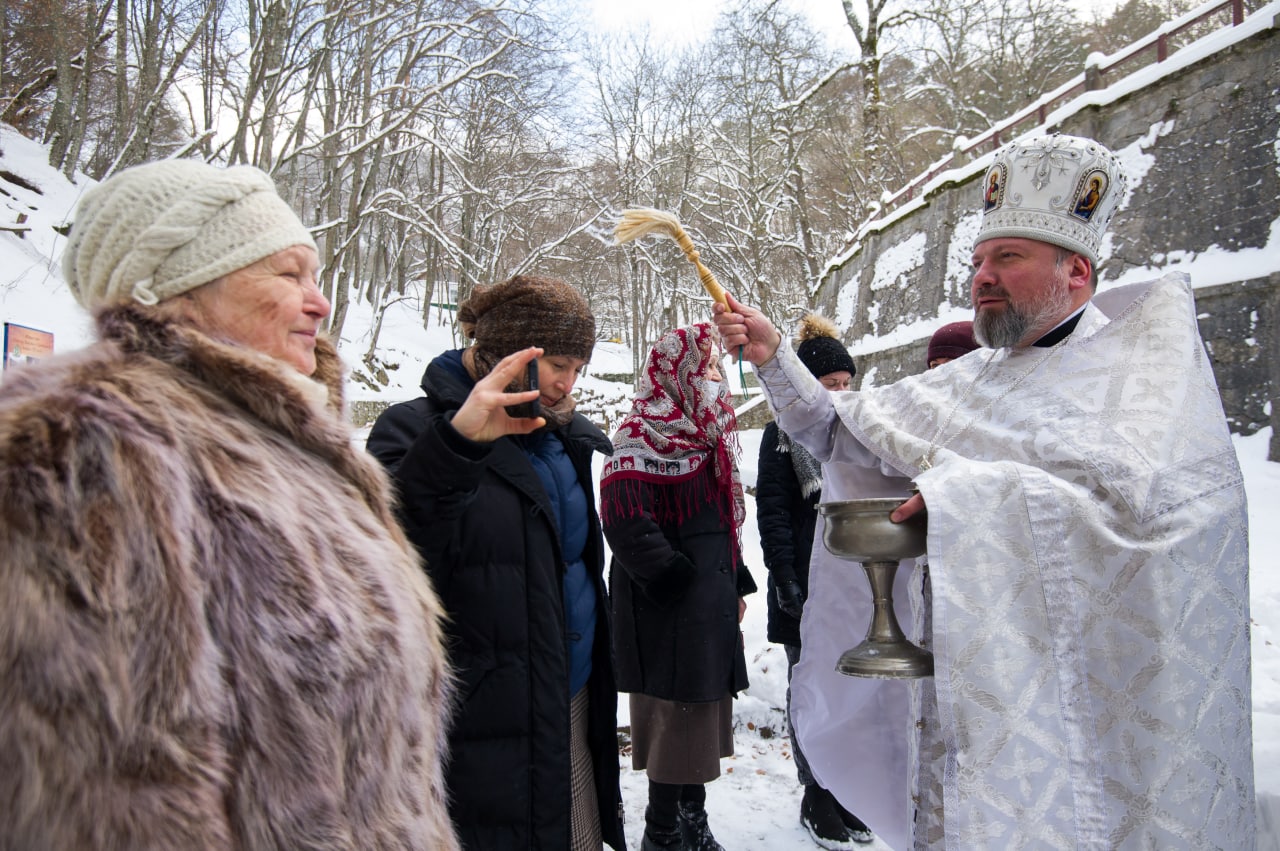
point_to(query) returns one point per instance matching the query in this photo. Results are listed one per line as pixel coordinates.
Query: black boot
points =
(662, 819)
(694, 828)
(857, 827)
(660, 837)
(820, 816)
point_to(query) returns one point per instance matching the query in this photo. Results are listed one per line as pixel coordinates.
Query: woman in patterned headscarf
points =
(671, 503)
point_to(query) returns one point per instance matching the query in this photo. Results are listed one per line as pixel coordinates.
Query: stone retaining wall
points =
(1209, 137)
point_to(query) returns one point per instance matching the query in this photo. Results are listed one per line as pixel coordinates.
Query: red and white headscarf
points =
(680, 422)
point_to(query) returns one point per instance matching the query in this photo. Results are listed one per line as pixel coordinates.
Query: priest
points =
(1085, 592)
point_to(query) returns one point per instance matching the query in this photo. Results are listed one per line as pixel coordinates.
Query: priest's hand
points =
(483, 416)
(745, 331)
(910, 508)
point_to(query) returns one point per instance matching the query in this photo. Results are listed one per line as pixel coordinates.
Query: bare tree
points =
(652, 143)
(972, 64)
(33, 48)
(60, 129)
(870, 21)
(163, 36)
(774, 92)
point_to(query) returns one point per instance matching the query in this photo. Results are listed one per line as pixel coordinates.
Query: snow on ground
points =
(754, 805)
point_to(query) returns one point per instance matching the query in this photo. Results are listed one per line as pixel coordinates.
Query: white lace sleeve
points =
(804, 410)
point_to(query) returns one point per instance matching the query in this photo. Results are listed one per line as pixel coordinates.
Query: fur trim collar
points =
(266, 389)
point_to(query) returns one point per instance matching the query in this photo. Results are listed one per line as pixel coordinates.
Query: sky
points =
(754, 805)
(683, 21)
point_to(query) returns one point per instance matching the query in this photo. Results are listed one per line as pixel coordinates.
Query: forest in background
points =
(439, 144)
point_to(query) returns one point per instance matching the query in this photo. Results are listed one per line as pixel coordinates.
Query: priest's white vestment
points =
(1086, 595)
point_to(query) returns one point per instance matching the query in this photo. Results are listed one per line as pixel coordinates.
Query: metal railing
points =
(1097, 68)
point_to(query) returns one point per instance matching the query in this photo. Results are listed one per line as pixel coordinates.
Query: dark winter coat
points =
(675, 594)
(786, 520)
(483, 522)
(213, 634)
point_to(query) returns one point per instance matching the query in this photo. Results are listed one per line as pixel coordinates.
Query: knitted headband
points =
(160, 229)
(528, 311)
(820, 350)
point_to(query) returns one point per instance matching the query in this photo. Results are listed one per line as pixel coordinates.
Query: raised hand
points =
(745, 331)
(483, 417)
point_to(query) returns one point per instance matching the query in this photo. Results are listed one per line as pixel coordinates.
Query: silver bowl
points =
(860, 530)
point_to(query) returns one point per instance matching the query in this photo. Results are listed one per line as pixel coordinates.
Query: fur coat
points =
(213, 634)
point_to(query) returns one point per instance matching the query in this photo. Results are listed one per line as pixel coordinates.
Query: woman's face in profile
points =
(556, 376)
(273, 306)
(713, 371)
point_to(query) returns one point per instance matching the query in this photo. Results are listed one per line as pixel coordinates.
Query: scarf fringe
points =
(671, 500)
(808, 470)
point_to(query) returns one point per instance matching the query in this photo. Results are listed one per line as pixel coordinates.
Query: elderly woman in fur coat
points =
(212, 633)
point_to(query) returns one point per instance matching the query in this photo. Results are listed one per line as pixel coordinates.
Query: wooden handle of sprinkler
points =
(709, 282)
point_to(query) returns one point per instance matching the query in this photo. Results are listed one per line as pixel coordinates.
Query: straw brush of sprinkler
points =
(642, 222)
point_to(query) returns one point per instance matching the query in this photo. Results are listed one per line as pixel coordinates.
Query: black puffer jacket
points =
(787, 521)
(480, 516)
(675, 598)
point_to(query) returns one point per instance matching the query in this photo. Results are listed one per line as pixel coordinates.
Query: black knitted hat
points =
(820, 349)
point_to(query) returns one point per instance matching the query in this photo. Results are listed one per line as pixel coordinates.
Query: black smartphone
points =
(535, 407)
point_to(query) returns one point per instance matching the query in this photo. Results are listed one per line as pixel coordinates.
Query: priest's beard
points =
(998, 330)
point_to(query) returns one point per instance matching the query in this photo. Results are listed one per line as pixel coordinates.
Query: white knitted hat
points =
(157, 230)
(1057, 189)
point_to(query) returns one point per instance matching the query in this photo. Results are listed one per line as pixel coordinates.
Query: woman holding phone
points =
(498, 498)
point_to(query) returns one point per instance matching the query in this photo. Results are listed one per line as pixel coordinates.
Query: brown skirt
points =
(680, 742)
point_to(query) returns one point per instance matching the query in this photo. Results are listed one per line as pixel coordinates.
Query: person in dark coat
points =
(788, 490)
(672, 506)
(500, 504)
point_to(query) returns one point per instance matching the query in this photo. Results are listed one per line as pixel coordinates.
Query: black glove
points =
(791, 598)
